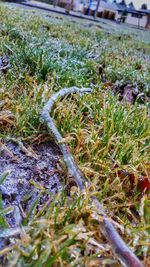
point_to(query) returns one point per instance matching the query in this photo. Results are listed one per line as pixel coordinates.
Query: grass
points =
(48, 52)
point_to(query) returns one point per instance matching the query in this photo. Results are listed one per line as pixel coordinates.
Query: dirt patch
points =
(28, 175)
(127, 92)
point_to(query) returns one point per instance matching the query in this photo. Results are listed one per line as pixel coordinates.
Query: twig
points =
(121, 250)
(47, 119)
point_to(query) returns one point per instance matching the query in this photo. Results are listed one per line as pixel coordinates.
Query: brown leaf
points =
(108, 85)
(143, 182)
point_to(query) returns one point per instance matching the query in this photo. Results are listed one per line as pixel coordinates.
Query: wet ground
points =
(30, 174)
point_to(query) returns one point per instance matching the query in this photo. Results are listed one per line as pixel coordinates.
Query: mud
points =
(29, 176)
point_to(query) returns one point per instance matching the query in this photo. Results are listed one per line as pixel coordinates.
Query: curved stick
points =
(122, 252)
(47, 119)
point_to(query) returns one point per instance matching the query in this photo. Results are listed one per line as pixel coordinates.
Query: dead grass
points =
(105, 135)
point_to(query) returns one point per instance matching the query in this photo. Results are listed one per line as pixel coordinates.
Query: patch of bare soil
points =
(127, 92)
(28, 175)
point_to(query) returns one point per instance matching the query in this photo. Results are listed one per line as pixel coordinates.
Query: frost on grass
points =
(28, 176)
(106, 135)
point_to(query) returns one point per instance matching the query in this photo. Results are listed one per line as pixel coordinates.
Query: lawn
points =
(107, 131)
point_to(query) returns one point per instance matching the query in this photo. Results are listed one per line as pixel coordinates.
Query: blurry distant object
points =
(15, 1)
(144, 6)
(97, 7)
(117, 10)
(101, 9)
(129, 14)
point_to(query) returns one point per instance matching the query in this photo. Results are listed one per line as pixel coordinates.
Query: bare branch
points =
(120, 249)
